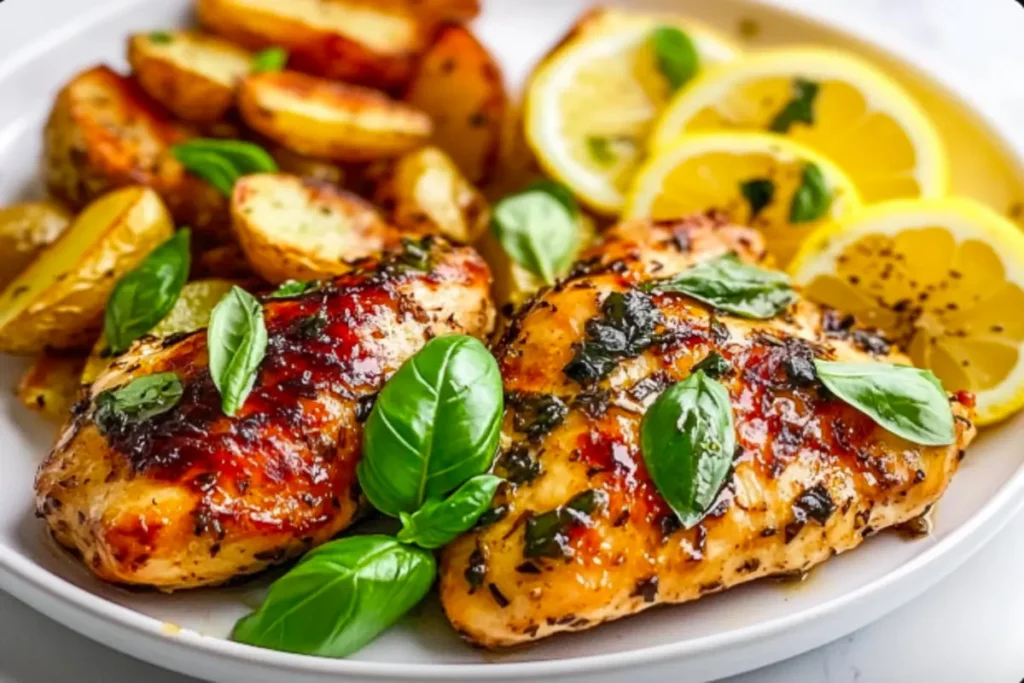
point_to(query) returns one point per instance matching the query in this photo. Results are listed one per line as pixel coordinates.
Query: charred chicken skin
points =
(192, 497)
(578, 535)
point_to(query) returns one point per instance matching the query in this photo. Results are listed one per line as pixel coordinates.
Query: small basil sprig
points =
(812, 199)
(434, 425)
(290, 289)
(687, 439)
(730, 285)
(538, 229)
(222, 162)
(909, 402)
(759, 193)
(271, 59)
(675, 55)
(340, 597)
(237, 340)
(144, 296)
(438, 522)
(799, 109)
(142, 398)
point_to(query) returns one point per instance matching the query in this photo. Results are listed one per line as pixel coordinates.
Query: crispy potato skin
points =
(104, 132)
(300, 229)
(25, 231)
(328, 120)
(459, 84)
(215, 497)
(51, 385)
(794, 441)
(194, 75)
(349, 40)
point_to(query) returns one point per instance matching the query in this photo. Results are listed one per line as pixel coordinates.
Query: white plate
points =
(720, 635)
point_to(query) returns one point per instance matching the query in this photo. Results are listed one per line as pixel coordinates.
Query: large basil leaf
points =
(538, 230)
(909, 402)
(340, 597)
(676, 55)
(144, 296)
(434, 425)
(438, 522)
(142, 398)
(687, 439)
(237, 340)
(730, 285)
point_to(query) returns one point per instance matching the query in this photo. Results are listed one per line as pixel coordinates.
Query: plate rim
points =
(18, 572)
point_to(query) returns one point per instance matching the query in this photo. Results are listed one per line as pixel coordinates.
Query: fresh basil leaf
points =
(730, 285)
(223, 162)
(340, 597)
(435, 424)
(558, 191)
(144, 296)
(687, 439)
(799, 109)
(209, 166)
(600, 149)
(237, 340)
(538, 231)
(675, 54)
(290, 289)
(161, 37)
(907, 401)
(438, 522)
(271, 59)
(142, 398)
(812, 199)
(759, 193)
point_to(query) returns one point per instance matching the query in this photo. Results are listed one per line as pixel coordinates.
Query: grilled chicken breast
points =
(193, 497)
(579, 535)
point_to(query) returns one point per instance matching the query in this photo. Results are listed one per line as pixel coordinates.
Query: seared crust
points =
(193, 497)
(812, 476)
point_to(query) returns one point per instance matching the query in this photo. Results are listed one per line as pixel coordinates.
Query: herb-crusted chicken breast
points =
(193, 497)
(579, 534)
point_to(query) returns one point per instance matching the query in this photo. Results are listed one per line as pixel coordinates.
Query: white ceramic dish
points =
(714, 637)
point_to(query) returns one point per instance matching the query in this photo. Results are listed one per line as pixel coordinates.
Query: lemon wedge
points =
(944, 278)
(591, 105)
(830, 101)
(769, 182)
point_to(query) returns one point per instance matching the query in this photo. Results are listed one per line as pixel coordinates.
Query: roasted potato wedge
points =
(299, 229)
(319, 118)
(194, 75)
(349, 40)
(25, 230)
(459, 84)
(428, 194)
(58, 301)
(51, 385)
(104, 133)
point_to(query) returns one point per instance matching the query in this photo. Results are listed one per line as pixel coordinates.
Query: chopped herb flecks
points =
(625, 328)
(547, 535)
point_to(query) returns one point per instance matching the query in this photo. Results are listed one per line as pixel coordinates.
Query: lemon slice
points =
(591, 104)
(944, 278)
(757, 179)
(832, 102)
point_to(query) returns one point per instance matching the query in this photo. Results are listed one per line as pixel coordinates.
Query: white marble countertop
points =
(967, 628)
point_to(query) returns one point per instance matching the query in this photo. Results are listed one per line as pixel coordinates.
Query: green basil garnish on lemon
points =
(271, 59)
(142, 398)
(340, 597)
(434, 425)
(812, 199)
(687, 439)
(730, 285)
(907, 401)
(759, 193)
(675, 54)
(144, 296)
(538, 229)
(799, 109)
(222, 162)
(439, 522)
(237, 340)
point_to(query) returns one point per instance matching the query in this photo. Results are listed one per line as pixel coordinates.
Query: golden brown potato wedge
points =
(327, 120)
(104, 132)
(428, 194)
(459, 84)
(299, 229)
(58, 301)
(194, 75)
(25, 230)
(350, 40)
(51, 385)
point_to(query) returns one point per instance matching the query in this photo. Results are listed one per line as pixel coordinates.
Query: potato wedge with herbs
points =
(58, 301)
(25, 230)
(299, 229)
(349, 40)
(51, 385)
(104, 132)
(328, 120)
(459, 85)
(427, 193)
(194, 75)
